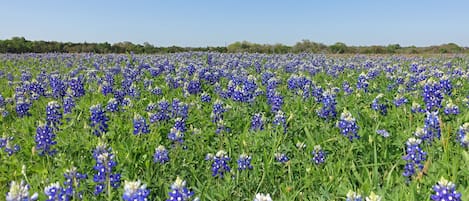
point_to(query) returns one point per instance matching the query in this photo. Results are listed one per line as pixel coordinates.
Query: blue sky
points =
(221, 22)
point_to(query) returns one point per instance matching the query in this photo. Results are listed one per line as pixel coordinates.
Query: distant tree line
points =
(21, 45)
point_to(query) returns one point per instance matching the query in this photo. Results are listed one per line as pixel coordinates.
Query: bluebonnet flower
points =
(220, 164)
(347, 88)
(400, 100)
(328, 110)
(445, 85)
(431, 127)
(135, 191)
(151, 107)
(53, 114)
(463, 135)
(57, 85)
(257, 122)
(112, 105)
(176, 135)
(133, 91)
(140, 125)
(451, 108)
(281, 157)
(20, 192)
(445, 191)
(415, 157)
(22, 106)
(126, 102)
(217, 111)
(348, 125)
(432, 95)
(262, 197)
(105, 164)
(106, 88)
(373, 197)
(6, 145)
(194, 86)
(45, 139)
(319, 156)
(362, 82)
(205, 97)
(69, 104)
(416, 108)
(72, 182)
(180, 124)
(376, 105)
(275, 100)
(353, 196)
(161, 155)
(279, 120)
(244, 162)
(77, 86)
(55, 192)
(179, 191)
(163, 112)
(98, 120)
(157, 91)
(383, 133)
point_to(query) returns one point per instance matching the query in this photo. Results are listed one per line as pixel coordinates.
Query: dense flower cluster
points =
(45, 140)
(105, 164)
(432, 95)
(179, 191)
(281, 157)
(451, 108)
(257, 122)
(328, 110)
(220, 164)
(53, 114)
(135, 191)
(377, 105)
(72, 183)
(319, 156)
(348, 125)
(7, 145)
(20, 192)
(244, 162)
(140, 125)
(98, 120)
(445, 191)
(414, 157)
(431, 127)
(161, 155)
(463, 135)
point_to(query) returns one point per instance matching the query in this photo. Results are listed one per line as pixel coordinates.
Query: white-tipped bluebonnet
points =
(348, 125)
(281, 157)
(161, 155)
(451, 108)
(328, 109)
(112, 105)
(319, 156)
(72, 183)
(57, 85)
(106, 88)
(463, 135)
(362, 82)
(275, 100)
(280, 120)
(431, 127)
(220, 164)
(179, 191)
(383, 133)
(98, 120)
(445, 191)
(377, 105)
(217, 111)
(244, 162)
(157, 91)
(347, 88)
(432, 95)
(55, 192)
(7, 145)
(414, 157)
(446, 86)
(140, 125)
(45, 140)
(105, 164)
(400, 100)
(353, 196)
(176, 135)
(20, 192)
(53, 114)
(77, 86)
(22, 106)
(262, 197)
(257, 122)
(205, 97)
(135, 191)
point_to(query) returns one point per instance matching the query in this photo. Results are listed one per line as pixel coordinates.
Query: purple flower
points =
(220, 164)
(98, 120)
(72, 183)
(140, 125)
(319, 156)
(55, 192)
(69, 104)
(383, 133)
(7, 145)
(328, 110)
(45, 139)
(105, 164)
(53, 114)
(257, 122)
(161, 155)
(244, 162)
(451, 108)
(414, 157)
(179, 191)
(445, 191)
(135, 191)
(432, 95)
(281, 157)
(463, 135)
(20, 192)
(348, 125)
(432, 127)
(112, 105)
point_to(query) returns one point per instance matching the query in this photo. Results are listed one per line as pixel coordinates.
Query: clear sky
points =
(221, 22)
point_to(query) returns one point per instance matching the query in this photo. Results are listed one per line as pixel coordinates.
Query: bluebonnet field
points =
(210, 126)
